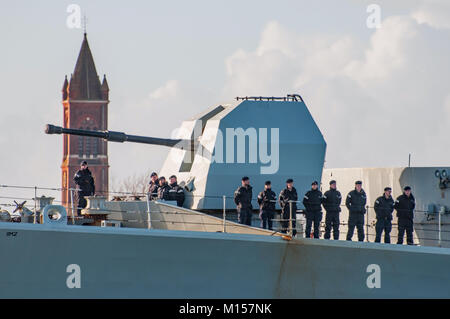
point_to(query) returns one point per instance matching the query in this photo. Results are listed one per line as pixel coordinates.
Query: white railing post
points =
(73, 207)
(441, 210)
(224, 213)
(149, 218)
(35, 208)
(291, 231)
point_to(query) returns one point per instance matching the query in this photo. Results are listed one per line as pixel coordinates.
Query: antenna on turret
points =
(84, 24)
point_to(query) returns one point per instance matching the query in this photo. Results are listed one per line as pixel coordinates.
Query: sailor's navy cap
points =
(407, 188)
(358, 183)
(315, 183)
(387, 189)
(267, 183)
(289, 180)
(245, 178)
(332, 182)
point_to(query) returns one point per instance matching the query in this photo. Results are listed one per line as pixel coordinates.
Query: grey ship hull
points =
(142, 263)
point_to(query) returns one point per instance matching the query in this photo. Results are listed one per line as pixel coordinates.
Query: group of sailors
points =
(314, 200)
(159, 188)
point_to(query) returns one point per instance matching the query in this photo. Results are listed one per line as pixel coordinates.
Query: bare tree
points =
(136, 184)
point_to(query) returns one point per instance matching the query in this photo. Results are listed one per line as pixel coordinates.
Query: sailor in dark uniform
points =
(266, 201)
(243, 200)
(153, 186)
(313, 206)
(176, 192)
(332, 204)
(288, 202)
(404, 205)
(384, 206)
(85, 185)
(163, 189)
(356, 204)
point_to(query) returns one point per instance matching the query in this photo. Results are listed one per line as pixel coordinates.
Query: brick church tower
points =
(85, 103)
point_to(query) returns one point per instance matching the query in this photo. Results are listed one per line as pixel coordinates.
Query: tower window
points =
(95, 145)
(87, 146)
(80, 145)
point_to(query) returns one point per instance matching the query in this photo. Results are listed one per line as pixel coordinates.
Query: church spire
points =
(85, 84)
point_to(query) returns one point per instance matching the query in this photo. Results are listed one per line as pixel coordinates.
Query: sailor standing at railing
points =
(384, 206)
(153, 186)
(163, 189)
(176, 192)
(288, 202)
(266, 201)
(332, 204)
(85, 185)
(405, 205)
(313, 206)
(243, 200)
(356, 204)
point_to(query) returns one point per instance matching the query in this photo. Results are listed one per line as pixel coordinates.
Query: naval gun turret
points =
(265, 138)
(114, 136)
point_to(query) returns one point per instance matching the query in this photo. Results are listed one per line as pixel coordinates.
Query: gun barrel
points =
(120, 137)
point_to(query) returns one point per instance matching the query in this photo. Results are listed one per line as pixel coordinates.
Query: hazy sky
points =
(376, 93)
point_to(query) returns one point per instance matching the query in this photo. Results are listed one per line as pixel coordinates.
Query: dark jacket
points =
(287, 195)
(332, 201)
(163, 191)
(313, 201)
(83, 178)
(153, 189)
(384, 207)
(243, 197)
(356, 202)
(266, 200)
(176, 193)
(404, 206)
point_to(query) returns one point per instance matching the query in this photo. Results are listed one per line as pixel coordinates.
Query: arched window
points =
(88, 146)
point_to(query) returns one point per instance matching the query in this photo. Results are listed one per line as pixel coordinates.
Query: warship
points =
(155, 249)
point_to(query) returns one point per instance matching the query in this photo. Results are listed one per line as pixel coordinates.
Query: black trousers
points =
(245, 216)
(266, 217)
(313, 217)
(332, 222)
(356, 220)
(82, 202)
(285, 223)
(405, 224)
(383, 224)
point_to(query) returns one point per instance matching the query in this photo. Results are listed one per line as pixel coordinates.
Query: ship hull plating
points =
(38, 262)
